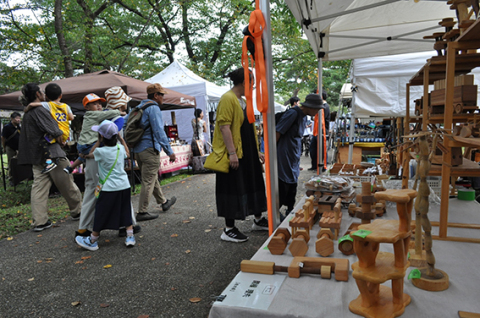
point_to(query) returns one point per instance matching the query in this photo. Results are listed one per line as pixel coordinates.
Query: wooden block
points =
(466, 314)
(259, 267)
(339, 266)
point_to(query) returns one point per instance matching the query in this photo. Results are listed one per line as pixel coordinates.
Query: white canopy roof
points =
(365, 28)
(176, 74)
(381, 83)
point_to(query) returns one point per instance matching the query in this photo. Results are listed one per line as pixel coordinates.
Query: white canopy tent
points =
(381, 83)
(350, 29)
(179, 78)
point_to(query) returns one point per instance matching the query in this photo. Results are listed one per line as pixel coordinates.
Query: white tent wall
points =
(179, 78)
(381, 83)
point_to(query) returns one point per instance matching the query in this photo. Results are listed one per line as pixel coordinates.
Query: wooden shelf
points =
(464, 64)
(467, 169)
(471, 34)
(383, 231)
(382, 271)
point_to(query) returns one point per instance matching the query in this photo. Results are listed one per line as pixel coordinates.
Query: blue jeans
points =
(84, 150)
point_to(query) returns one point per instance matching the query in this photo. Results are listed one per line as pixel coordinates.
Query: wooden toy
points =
(332, 219)
(346, 245)
(327, 202)
(431, 279)
(279, 241)
(374, 268)
(324, 243)
(305, 217)
(465, 314)
(299, 245)
(378, 208)
(304, 265)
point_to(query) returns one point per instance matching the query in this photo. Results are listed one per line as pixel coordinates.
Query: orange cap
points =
(90, 98)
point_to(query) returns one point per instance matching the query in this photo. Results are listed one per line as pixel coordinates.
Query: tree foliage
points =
(51, 39)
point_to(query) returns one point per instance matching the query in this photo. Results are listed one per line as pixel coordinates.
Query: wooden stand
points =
(374, 268)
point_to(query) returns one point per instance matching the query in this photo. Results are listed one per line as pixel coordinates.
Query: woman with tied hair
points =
(241, 191)
(199, 127)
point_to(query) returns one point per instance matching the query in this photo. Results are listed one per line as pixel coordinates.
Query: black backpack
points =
(133, 132)
(294, 126)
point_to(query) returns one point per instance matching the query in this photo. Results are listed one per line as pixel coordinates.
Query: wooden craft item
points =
(346, 246)
(431, 279)
(333, 219)
(374, 268)
(326, 203)
(299, 245)
(324, 242)
(279, 241)
(465, 314)
(301, 265)
(304, 218)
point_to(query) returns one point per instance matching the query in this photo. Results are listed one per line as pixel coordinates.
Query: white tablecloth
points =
(310, 296)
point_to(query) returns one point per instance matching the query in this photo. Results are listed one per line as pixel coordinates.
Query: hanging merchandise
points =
(256, 27)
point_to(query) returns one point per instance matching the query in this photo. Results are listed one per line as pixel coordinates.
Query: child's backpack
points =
(133, 131)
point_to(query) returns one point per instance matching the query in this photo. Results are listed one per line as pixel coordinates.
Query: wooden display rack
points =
(447, 67)
(374, 268)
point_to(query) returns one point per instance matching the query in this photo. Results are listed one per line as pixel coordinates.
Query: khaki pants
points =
(87, 216)
(149, 163)
(41, 188)
(10, 154)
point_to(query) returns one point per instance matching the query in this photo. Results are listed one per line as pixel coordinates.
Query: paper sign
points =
(251, 290)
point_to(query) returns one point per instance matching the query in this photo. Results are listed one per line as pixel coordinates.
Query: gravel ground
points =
(179, 256)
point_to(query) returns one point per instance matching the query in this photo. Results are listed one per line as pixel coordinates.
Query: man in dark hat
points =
(289, 131)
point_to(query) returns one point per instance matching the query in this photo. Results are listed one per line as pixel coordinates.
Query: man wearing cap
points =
(87, 139)
(289, 131)
(147, 153)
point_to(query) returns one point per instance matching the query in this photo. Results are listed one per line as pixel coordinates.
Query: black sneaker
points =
(233, 235)
(167, 205)
(260, 225)
(123, 231)
(42, 227)
(68, 170)
(49, 167)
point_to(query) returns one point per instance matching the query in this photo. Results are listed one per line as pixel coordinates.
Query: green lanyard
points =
(102, 182)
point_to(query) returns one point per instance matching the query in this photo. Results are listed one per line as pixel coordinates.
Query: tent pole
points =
(320, 130)
(352, 123)
(271, 173)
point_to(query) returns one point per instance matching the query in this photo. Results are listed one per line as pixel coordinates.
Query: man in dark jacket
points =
(10, 138)
(36, 123)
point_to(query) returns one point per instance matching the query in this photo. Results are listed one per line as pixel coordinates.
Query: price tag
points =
(345, 238)
(362, 233)
(414, 274)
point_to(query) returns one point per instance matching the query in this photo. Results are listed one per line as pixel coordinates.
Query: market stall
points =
(183, 157)
(280, 296)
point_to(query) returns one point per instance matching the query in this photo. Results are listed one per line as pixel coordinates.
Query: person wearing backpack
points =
(289, 133)
(147, 146)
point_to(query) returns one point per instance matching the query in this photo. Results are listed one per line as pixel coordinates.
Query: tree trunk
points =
(67, 59)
